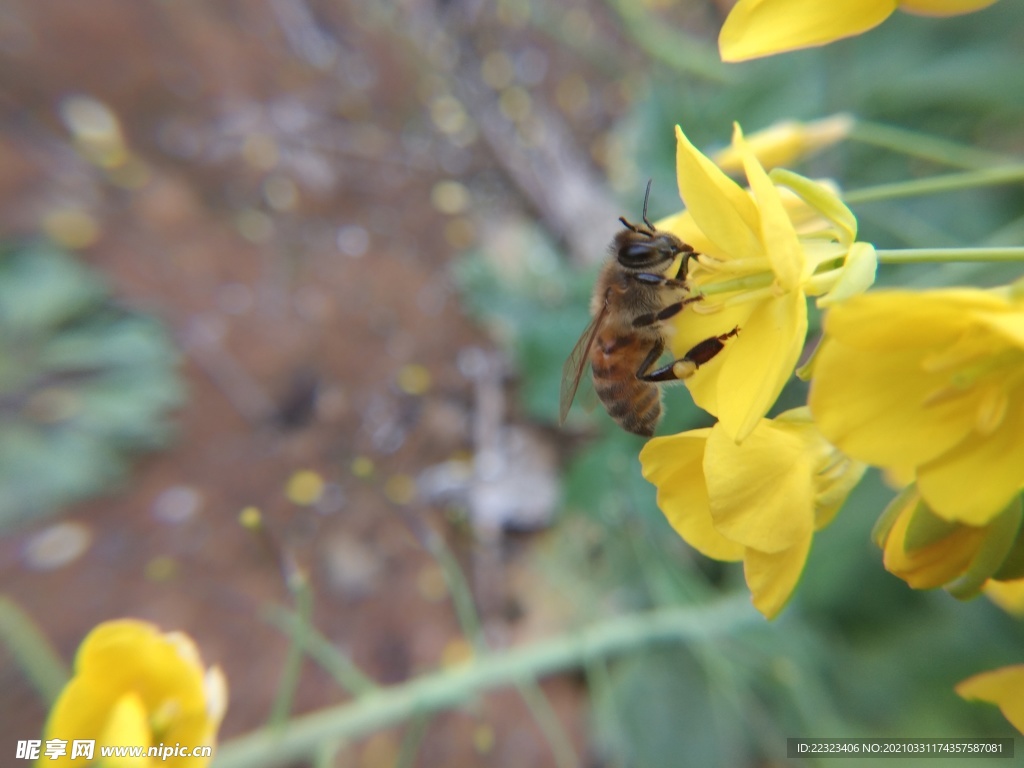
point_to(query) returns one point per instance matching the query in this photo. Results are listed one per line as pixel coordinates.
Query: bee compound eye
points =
(633, 254)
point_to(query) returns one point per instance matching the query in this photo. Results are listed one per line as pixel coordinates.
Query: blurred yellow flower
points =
(762, 252)
(756, 28)
(304, 487)
(1008, 595)
(1003, 687)
(759, 502)
(787, 142)
(134, 686)
(927, 551)
(929, 384)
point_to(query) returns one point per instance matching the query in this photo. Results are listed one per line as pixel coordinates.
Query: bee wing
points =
(576, 364)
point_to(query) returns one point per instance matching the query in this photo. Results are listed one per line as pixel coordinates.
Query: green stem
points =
(985, 177)
(898, 256)
(451, 687)
(415, 730)
(458, 588)
(547, 720)
(469, 619)
(665, 44)
(298, 584)
(946, 255)
(32, 651)
(326, 754)
(916, 144)
(337, 664)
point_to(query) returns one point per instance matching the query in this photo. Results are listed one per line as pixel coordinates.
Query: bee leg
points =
(664, 314)
(684, 265)
(650, 360)
(679, 281)
(653, 278)
(687, 365)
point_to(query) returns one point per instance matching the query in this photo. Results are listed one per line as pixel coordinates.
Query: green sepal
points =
(857, 275)
(882, 527)
(926, 528)
(993, 552)
(821, 199)
(806, 371)
(1013, 566)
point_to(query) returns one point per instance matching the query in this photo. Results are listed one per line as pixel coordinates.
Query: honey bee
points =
(632, 300)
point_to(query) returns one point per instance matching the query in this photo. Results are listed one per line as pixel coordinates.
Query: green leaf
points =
(83, 384)
(42, 287)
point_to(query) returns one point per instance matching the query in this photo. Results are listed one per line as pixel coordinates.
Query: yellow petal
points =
(1008, 595)
(685, 228)
(787, 142)
(691, 327)
(898, 476)
(215, 688)
(762, 27)
(126, 661)
(79, 713)
(674, 465)
(761, 491)
(834, 486)
(772, 577)
(720, 208)
(136, 655)
(976, 479)
(943, 7)
(1008, 324)
(760, 361)
(1002, 687)
(934, 565)
(857, 275)
(779, 144)
(99, 682)
(777, 234)
(872, 405)
(925, 319)
(126, 726)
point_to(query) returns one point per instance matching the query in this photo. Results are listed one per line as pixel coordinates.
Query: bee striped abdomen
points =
(633, 403)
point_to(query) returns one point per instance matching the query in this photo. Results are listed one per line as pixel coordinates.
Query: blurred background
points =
(319, 264)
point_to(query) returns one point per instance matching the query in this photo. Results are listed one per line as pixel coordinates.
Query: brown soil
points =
(285, 232)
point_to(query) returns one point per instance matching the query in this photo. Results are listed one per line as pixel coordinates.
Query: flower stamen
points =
(738, 266)
(991, 410)
(749, 296)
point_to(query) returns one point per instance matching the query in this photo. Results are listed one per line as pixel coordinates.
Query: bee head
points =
(646, 249)
(643, 247)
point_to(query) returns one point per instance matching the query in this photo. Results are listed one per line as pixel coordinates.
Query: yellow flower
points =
(756, 28)
(1008, 595)
(134, 686)
(930, 383)
(927, 551)
(1003, 687)
(787, 142)
(759, 502)
(763, 251)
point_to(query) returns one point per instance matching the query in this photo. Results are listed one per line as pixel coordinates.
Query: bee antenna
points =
(647, 195)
